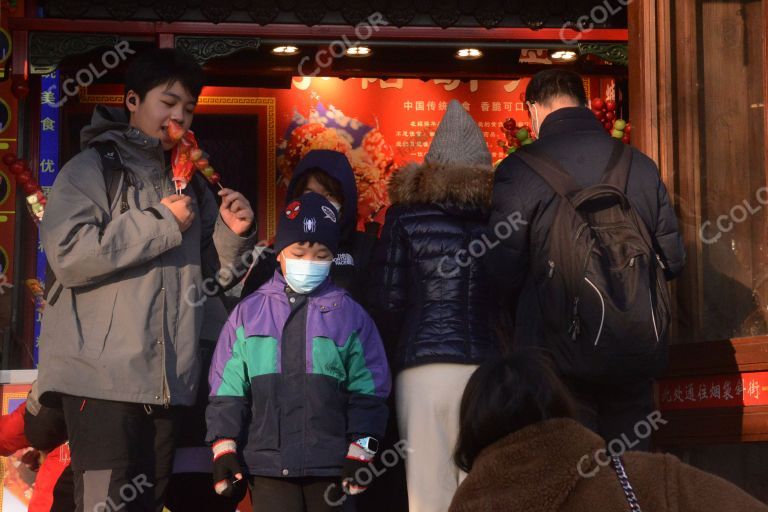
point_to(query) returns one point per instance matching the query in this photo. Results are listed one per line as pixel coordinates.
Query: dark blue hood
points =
(336, 165)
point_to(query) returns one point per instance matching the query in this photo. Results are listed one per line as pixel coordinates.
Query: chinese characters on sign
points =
(48, 166)
(740, 390)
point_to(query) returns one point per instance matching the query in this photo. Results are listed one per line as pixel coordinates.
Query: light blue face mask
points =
(303, 276)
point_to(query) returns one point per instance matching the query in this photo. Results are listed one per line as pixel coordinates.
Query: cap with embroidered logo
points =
(310, 218)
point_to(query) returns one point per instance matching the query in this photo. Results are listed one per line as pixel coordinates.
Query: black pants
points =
(122, 454)
(307, 494)
(194, 491)
(388, 492)
(615, 411)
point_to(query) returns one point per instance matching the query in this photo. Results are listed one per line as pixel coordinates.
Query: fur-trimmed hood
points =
(429, 183)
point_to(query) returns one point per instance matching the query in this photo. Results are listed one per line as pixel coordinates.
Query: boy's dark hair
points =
(504, 396)
(331, 184)
(547, 85)
(164, 66)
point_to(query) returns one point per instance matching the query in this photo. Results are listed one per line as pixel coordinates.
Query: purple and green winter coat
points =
(295, 377)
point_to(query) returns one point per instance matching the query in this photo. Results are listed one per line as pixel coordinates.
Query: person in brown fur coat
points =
(524, 452)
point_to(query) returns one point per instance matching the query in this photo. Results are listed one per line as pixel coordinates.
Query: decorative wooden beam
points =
(165, 40)
(614, 53)
(205, 48)
(329, 32)
(46, 50)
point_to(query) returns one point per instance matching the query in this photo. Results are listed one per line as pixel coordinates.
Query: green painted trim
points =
(613, 53)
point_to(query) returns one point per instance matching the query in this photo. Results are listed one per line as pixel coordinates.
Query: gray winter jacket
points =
(126, 325)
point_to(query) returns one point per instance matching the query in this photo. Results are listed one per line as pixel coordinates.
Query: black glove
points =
(227, 471)
(356, 475)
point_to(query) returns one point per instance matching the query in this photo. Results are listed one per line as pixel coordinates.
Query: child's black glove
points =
(355, 473)
(226, 467)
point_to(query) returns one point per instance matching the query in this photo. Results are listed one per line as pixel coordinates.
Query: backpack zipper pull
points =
(551, 271)
(575, 328)
(632, 262)
(661, 263)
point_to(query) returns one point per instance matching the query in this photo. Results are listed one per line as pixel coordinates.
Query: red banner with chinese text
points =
(737, 390)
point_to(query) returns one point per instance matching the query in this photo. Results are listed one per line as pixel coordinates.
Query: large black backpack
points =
(600, 282)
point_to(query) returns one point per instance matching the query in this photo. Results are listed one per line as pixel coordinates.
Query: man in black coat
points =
(570, 135)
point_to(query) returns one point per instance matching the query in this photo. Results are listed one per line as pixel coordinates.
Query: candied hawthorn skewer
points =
(187, 157)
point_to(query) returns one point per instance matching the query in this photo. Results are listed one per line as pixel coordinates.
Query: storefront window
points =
(725, 211)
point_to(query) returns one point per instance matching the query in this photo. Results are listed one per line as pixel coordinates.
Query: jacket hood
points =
(466, 187)
(337, 166)
(111, 123)
(534, 469)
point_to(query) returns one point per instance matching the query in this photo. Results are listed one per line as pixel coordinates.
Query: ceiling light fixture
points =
(563, 55)
(469, 54)
(285, 50)
(359, 51)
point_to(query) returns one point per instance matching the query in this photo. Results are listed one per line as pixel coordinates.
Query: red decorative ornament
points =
(31, 187)
(18, 168)
(24, 178)
(605, 112)
(20, 90)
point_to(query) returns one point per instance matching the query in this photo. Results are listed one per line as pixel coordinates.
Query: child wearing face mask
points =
(328, 173)
(299, 378)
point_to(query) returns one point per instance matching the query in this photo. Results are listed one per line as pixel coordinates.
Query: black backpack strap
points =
(114, 176)
(617, 171)
(550, 171)
(114, 173)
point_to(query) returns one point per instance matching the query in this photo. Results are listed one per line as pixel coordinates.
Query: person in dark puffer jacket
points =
(433, 300)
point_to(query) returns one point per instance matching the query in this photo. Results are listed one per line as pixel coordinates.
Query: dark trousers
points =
(307, 494)
(388, 492)
(194, 491)
(122, 454)
(616, 411)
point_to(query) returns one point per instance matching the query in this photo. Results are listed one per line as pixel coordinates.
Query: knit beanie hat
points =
(310, 218)
(458, 140)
